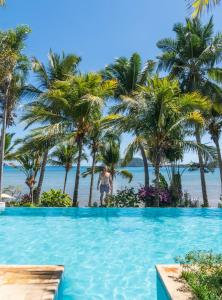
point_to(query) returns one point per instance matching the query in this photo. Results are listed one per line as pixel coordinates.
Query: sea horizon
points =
(54, 178)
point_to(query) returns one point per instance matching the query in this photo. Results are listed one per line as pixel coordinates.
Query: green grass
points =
(203, 273)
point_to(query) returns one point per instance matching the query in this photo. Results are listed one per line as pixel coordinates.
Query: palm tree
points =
(109, 155)
(30, 165)
(9, 146)
(160, 116)
(70, 107)
(14, 67)
(200, 5)
(191, 57)
(214, 127)
(130, 73)
(65, 155)
(97, 137)
(138, 144)
(59, 67)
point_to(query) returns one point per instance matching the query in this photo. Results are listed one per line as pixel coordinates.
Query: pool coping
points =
(174, 285)
(30, 282)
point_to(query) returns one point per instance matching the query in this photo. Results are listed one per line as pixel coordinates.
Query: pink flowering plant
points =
(148, 194)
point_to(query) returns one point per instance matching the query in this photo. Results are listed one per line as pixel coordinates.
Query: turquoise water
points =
(108, 253)
(54, 178)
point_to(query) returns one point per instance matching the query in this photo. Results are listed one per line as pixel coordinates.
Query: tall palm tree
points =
(97, 137)
(130, 73)
(200, 5)
(14, 67)
(65, 155)
(59, 67)
(214, 127)
(161, 114)
(191, 57)
(70, 107)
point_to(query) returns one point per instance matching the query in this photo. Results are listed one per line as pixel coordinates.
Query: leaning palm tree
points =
(191, 57)
(14, 67)
(59, 67)
(70, 107)
(129, 73)
(200, 5)
(65, 155)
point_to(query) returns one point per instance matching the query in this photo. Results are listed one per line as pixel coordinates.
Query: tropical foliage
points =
(164, 114)
(203, 272)
(55, 198)
(200, 5)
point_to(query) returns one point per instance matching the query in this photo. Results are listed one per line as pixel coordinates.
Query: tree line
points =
(166, 115)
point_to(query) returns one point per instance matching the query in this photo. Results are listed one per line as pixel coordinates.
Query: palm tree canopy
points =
(200, 5)
(29, 163)
(192, 56)
(159, 115)
(59, 67)
(128, 73)
(71, 105)
(110, 156)
(65, 155)
(12, 58)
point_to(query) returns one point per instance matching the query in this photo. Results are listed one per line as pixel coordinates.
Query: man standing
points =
(104, 184)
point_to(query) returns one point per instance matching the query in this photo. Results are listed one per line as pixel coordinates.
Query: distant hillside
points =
(136, 162)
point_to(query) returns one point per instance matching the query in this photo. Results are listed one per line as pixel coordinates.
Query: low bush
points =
(55, 198)
(124, 198)
(24, 201)
(203, 272)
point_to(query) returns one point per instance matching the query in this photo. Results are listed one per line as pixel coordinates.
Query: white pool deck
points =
(175, 286)
(29, 282)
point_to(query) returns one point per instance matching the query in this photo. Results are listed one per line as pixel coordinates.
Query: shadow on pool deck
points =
(29, 282)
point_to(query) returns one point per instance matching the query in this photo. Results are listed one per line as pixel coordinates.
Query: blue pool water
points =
(108, 253)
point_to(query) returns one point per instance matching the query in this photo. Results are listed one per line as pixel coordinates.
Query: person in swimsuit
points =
(104, 184)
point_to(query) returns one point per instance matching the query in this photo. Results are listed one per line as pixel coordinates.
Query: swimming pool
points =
(107, 253)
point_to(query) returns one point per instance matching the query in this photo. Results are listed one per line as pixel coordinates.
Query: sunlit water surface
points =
(107, 253)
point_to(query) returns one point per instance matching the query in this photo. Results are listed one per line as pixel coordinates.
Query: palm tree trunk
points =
(41, 176)
(66, 175)
(112, 177)
(76, 188)
(202, 173)
(157, 184)
(92, 179)
(2, 146)
(216, 141)
(146, 167)
(31, 195)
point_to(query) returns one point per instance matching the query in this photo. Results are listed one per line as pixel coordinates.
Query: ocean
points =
(54, 178)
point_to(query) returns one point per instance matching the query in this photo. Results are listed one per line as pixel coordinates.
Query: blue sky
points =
(98, 31)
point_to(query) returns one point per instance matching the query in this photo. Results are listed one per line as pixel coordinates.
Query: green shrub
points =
(55, 198)
(203, 272)
(124, 198)
(24, 201)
